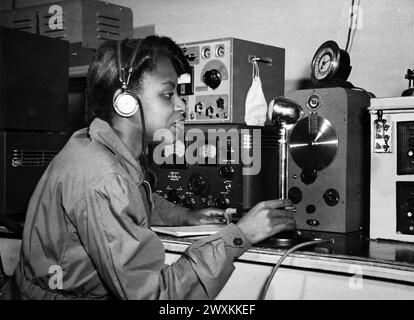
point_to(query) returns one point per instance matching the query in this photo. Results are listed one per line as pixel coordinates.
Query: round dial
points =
(208, 151)
(197, 184)
(212, 78)
(324, 64)
(222, 202)
(226, 172)
(173, 196)
(189, 202)
(330, 62)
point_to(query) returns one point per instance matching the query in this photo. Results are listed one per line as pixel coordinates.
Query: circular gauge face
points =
(325, 62)
(208, 151)
(168, 150)
(314, 102)
(179, 148)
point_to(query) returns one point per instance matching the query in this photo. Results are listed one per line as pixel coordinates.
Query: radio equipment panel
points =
(88, 22)
(25, 157)
(216, 90)
(33, 87)
(392, 169)
(405, 147)
(329, 160)
(235, 169)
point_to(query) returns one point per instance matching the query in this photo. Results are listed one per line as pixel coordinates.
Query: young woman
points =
(87, 233)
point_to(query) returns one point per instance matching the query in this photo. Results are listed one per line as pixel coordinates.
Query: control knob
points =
(222, 202)
(331, 197)
(226, 172)
(189, 202)
(173, 196)
(295, 195)
(197, 184)
(212, 78)
(308, 176)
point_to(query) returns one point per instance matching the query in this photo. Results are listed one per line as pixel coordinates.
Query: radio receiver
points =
(329, 160)
(236, 169)
(221, 77)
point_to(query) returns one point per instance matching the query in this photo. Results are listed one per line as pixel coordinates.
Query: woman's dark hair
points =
(102, 78)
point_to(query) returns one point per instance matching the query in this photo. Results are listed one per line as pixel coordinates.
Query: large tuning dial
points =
(212, 78)
(197, 184)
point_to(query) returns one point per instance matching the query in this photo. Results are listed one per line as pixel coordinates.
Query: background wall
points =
(382, 50)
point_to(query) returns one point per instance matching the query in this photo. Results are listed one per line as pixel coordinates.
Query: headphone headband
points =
(121, 70)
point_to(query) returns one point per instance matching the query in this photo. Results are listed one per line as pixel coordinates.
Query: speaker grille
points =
(60, 33)
(23, 23)
(32, 158)
(108, 27)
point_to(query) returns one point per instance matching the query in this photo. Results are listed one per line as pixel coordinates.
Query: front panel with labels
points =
(238, 168)
(216, 89)
(328, 160)
(392, 169)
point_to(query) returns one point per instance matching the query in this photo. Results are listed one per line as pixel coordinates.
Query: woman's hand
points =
(266, 219)
(205, 216)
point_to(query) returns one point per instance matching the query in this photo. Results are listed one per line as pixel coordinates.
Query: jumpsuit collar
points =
(101, 131)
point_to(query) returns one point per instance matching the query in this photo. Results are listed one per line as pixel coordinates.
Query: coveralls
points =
(87, 231)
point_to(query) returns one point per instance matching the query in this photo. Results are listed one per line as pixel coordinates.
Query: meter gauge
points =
(208, 152)
(314, 102)
(330, 62)
(170, 155)
(180, 148)
(220, 50)
(205, 52)
(168, 150)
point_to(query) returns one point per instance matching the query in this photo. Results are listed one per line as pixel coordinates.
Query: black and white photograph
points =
(214, 157)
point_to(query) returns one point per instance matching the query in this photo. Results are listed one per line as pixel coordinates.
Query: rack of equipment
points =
(33, 109)
(392, 169)
(89, 22)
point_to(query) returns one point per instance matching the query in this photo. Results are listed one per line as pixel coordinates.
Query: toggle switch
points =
(312, 222)
(220, 103)
(210, 112)
(198, 108)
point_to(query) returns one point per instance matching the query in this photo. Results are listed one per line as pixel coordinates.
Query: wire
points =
(283, 257)
(350, 26)
(355, 25)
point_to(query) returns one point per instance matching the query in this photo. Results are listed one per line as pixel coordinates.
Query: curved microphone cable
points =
(283, 257)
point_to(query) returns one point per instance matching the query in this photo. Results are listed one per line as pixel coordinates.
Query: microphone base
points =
(285, 239)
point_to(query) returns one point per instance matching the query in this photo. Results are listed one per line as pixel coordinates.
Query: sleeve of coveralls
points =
(166, 213)
(130, 257)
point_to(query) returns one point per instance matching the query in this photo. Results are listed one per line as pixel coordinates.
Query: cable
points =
(144, 156)
(356, 25)
(350, 26)
(283, 257)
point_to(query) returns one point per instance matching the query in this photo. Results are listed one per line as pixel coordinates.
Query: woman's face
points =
(162, 106)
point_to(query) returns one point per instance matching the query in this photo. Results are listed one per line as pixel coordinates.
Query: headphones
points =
(125, 102)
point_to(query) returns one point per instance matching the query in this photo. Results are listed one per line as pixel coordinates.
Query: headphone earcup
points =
(125, 103)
